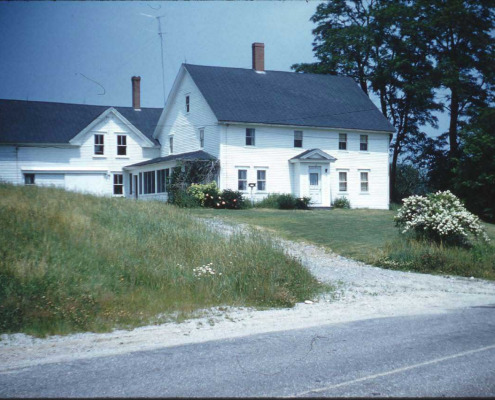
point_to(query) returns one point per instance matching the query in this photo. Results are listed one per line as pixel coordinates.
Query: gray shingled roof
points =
(193, 155)
(44, 122)
(287, 98)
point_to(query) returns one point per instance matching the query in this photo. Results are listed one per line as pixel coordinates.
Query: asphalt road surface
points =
(450, 354)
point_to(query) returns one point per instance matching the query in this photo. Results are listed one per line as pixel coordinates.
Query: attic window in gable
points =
(121, 145)
(99, 147)
(187, 104)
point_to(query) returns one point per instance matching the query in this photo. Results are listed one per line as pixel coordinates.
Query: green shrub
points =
(342, 202)
(270, 201)
(302, 203)
(182, 198)
(286, 202)
(232, 199)
(205, 194)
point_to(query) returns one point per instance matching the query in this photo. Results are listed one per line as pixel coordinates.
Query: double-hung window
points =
(202, 138)
(161, 180)
(363, 145)
(29, 179)
(99, 147)
(118, 184)
(149, 182)
(121, 145)
(261, 179)
(342, 181)
(364, 182)
(242, 179)
(298, 138)
(250, 135)
(342, 141)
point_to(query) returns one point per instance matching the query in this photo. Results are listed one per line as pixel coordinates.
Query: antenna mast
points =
(160, 33)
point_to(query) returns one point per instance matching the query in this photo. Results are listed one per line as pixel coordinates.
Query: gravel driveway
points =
(363, 292)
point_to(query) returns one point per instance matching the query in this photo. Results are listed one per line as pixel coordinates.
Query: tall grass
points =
(71, 262)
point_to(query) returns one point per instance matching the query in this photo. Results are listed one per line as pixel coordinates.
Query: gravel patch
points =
(363, 292)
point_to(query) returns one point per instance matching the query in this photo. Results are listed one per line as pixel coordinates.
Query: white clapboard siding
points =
(79, 167)
(183, 126)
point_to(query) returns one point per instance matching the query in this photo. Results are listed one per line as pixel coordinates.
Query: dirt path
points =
(363, 292)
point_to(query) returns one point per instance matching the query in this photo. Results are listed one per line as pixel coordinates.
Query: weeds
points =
(71, 262)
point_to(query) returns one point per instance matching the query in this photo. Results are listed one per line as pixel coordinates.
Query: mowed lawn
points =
(352, 233)
(370, 236)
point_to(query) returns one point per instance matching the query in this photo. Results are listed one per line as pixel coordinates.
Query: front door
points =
(315, 185)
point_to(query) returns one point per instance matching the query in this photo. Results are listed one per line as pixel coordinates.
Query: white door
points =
(314, 174)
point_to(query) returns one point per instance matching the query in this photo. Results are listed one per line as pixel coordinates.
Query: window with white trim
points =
(250, 136)
(161, 180)
(363, 145)
(188, 106)
(118, 184)
(261, 179)
(364, 182)
(342, 181)
(149, 182)
(342, 141)
(298, 138)
(202, 138)
(171, 144)
(242, 179)
(99, 146)
(29, 179)
(121, 145)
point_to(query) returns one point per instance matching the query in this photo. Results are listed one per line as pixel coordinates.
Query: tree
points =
(475, 171)
(459, 34)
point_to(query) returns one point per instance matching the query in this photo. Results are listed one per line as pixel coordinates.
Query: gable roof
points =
(313, 154)
(193, 155)
(287, 98)
(41, 122)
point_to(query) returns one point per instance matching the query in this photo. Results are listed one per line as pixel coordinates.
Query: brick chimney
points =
(136, 93)
(259, 57)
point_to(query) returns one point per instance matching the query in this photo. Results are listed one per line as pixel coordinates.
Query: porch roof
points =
(193, 155)
(313, 155)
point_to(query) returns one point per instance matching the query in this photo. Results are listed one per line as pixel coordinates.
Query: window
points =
(140, 183)
(250, 137)
(99, 144)
(364, 143)
(261, 179)
(242, 179)
(118, 184)
(171, 144)
(298, 139)
(364, 182)
(161, 180)
(29, 179)
(121, 145)
(201, 138)
(342, 141)
(149, 182)
(130, 183)
(313, 178)
(342, 181)
(187, 104)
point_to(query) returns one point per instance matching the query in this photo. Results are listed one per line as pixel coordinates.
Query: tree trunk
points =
(454, 117)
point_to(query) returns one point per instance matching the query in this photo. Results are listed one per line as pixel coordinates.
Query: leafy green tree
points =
(475, 171)
(459, 34)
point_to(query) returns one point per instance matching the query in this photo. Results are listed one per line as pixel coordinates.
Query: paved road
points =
(449, 354)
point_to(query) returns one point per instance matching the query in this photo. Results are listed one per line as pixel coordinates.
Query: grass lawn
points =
(72, 263)
(369, 236)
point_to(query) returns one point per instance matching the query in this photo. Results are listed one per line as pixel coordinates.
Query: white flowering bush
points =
(440, 216)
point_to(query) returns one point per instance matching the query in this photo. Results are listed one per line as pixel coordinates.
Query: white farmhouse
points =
(272, 132)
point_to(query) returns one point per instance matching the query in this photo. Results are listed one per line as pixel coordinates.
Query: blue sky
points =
(53, 51)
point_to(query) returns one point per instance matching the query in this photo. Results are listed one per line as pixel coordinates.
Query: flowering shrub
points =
(204, 271)
(232, 199)
(205, 194)
(440, 217)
